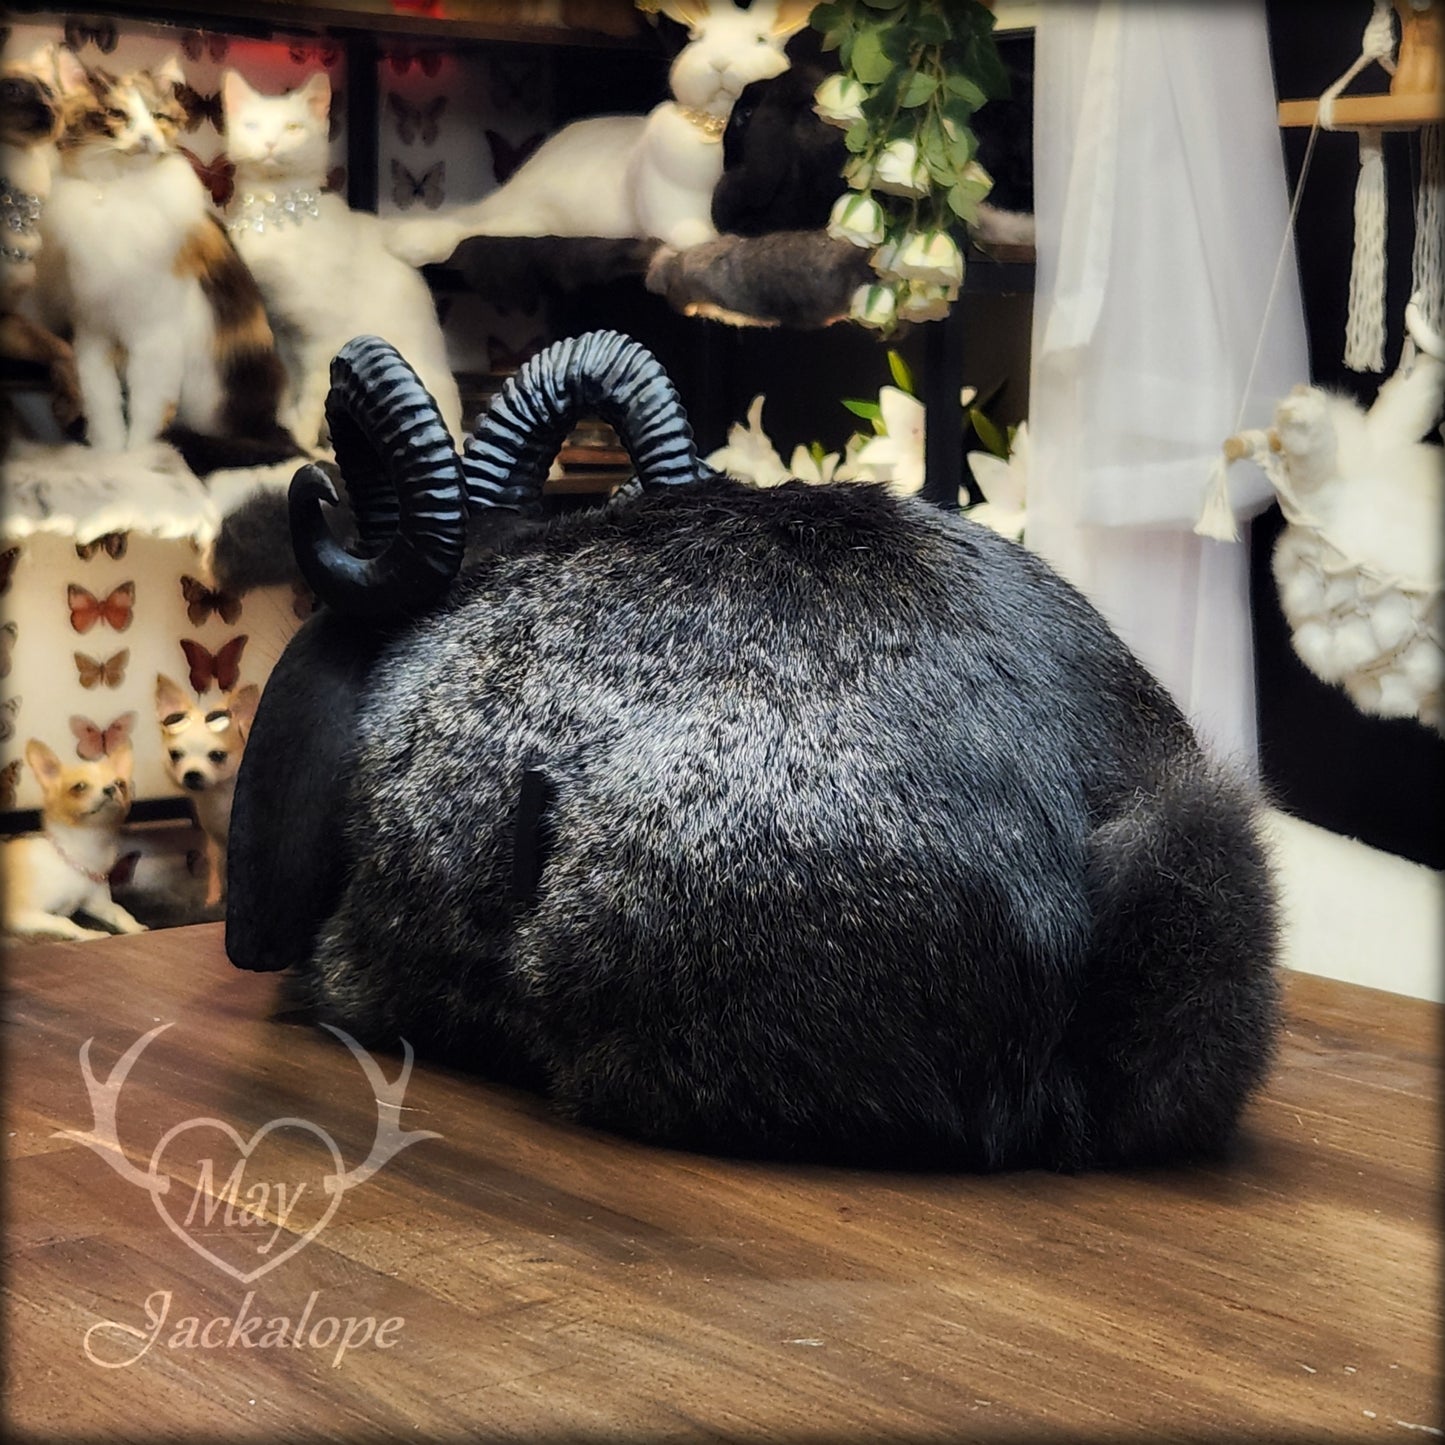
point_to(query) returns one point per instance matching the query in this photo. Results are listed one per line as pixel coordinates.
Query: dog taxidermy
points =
(798, 822)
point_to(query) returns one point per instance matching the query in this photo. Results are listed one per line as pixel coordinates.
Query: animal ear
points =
(791, 16)
(317, 94)
(170, 698)
(70, 74)
(44, 762)
(122, 759)
(242, 706)
(170, 71)
(691, 13)
(234, 90)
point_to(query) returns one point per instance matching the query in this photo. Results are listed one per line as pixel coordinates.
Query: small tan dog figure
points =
(203, 750)
(66, 869)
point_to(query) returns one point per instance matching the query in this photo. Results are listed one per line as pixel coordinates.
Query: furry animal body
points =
(802, 822)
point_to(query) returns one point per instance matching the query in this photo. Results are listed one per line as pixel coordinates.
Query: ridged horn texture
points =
(403, 479)
(506, 461)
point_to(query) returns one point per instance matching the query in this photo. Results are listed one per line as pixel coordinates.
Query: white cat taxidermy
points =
(168, 324)
(324, 272)
(1359, 566)
(632, 175)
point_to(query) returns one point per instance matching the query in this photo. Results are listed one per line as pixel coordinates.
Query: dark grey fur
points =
(869, 841)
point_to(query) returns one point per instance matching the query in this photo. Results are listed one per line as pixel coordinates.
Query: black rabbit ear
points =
(404, 481)
(506, 461)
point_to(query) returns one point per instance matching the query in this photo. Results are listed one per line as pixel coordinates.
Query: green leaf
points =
(868, 410)
(815, 450)
(902, 376)
(884, 4)
(919, 88)
(827, 17)
(931, 28)
(856, 136)
(988, 433)
(965, 90)
(869, 62)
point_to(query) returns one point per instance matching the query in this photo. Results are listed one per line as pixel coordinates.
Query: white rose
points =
(875, 306)
(857, 218)
(839, 100)
(925, 301)
(932, 257)
(900, 170)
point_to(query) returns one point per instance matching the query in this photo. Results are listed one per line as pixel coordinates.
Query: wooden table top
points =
(524, 1279)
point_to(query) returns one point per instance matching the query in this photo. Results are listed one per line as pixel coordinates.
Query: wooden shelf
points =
(1361, 112)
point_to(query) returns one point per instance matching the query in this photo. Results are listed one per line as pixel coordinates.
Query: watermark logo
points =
(236, 1201)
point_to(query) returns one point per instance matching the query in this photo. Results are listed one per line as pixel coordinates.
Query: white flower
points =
(839, 100)
(874, 306)
(1004, 485)
(808, 468)
(900, 170)
(857, 218)
(895, 457)
(929, 256)
(749, 454)
(922, 302)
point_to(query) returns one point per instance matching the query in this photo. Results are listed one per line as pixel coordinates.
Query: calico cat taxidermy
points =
(632, 175)
(136, 264)
(322, 267)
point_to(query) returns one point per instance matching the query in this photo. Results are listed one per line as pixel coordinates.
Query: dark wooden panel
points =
(556, 1282)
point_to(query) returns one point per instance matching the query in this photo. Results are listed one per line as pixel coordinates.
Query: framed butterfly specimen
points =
(428, 188)
(8, 558)
(93, 742)
(84, 30)
(221, 668)
(201, 602)
(322, 52)
(508, 158)
(9, 710)
(401, 59)
(200, 108)
(416, 122)
(8, 635)
(200, 44)
(9, 784)
(92, 672)
(113, 544)
(123, 872)
(114, 611)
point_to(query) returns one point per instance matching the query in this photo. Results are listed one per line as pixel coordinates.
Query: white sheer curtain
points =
(1161, 205)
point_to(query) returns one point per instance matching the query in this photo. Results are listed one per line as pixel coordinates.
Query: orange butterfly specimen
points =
(219, 669)
(113, 544)
(95, 673)
(218, 175)
(96, 742)
(86, 609)
(8, 558)
(8, 710)
(8, 635)
(201, 601)
(9, 783)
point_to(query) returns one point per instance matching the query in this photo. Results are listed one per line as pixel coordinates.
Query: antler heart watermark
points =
(258, 1211)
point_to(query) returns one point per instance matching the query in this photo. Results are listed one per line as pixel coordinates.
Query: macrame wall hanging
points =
(1359, 564)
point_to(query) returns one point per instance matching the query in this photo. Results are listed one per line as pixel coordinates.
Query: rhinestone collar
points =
(19, 210)
(711, 126)
(274, 210)
(91, 873)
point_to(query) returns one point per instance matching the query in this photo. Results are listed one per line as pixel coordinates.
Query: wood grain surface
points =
(544, 1282)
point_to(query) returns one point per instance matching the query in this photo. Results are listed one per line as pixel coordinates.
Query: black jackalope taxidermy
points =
(807, 822)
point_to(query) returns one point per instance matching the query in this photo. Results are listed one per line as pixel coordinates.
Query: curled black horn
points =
(506, 461)
(403, 479)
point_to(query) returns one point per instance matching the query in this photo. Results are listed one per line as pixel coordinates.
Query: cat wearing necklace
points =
(322, 267)
(169, 327)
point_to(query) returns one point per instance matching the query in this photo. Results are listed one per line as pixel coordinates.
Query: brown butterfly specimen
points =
(416, 122)
(201, 601)
(90, 30)
(9, 785)
(113, 544)
(9, 709)
(401, 59)
(95, 673)
(428, 188)
(94, 742)
(8, 635)
(200, 108)
(115, 611)
(503, 359)
(124, 870)
(323, 52)
(8, 558)
(221, 668)
(336, 179)
(198, 43)
(217, 175)
(507, 158)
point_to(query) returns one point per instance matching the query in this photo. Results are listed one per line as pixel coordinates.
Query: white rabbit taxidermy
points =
(1359, 566)
(632, 175)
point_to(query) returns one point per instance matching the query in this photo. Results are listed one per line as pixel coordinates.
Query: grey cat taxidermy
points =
(807, 822)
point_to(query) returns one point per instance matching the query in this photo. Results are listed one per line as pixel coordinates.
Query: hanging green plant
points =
(913, 73)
